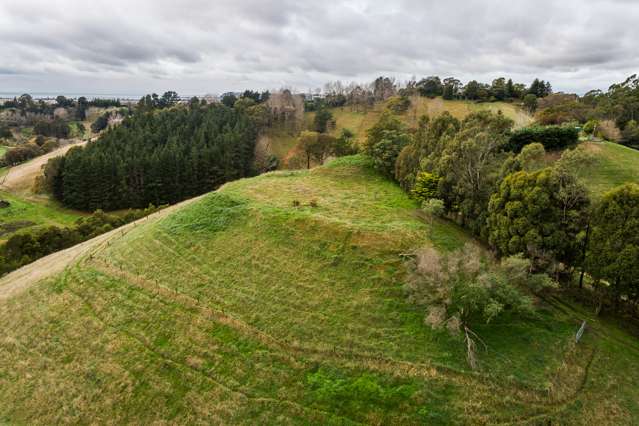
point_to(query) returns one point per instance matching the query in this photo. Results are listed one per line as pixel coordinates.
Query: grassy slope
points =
(26, 214)
(241, 308)
(359, 122)
(614, 165)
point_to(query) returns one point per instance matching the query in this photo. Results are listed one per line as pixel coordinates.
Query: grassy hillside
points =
(282, 142)
(244, 307)
(614, 165)
(359, 122)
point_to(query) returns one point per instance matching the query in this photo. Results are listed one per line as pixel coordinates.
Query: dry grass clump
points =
(609, 130)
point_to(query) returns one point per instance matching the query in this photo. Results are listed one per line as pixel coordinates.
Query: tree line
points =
(611, 114)
(157, 156)
(508, 196)
(26, 104)
(363, 96)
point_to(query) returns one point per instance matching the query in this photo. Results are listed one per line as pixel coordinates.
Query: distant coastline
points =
(53, 95)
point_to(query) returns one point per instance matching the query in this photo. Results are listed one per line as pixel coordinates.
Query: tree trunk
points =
(583, 257)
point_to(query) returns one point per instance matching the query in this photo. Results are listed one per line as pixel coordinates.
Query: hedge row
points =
(551, 137)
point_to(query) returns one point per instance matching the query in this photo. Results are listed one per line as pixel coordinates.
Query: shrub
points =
(5, 133)
(55, 129)
(531, 157)
(21, 154)
(385, 141)
(590, 127)
(459, 290)
(609, 130)
(50, 145)
(630, 134)
(399, 104)
(425, 186)
(551, 137)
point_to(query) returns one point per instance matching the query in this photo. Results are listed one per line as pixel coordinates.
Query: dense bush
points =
(21, 153)
(399, 104)
(385, 141)
(5, 133)
(613, 250)
(426, 185)
(159, 157)
(101, 122)
(55, 129)
(21, 249)
(541, 214)
(551, 137)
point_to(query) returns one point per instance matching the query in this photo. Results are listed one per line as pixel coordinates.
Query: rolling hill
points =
(281, 142)
(278, 299)
(359, 122)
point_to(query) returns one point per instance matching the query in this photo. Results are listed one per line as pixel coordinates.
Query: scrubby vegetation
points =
(23, 248)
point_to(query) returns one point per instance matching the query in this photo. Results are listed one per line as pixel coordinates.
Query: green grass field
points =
(245, 307)
(24, 214)
(614, 165)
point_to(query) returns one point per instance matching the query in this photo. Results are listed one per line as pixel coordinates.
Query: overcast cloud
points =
(210, 46)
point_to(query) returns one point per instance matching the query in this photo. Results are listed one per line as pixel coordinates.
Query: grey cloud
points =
(199, 46)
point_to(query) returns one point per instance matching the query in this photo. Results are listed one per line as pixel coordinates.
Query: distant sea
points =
(52, 95)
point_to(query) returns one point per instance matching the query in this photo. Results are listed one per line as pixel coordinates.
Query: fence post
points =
(580, 332)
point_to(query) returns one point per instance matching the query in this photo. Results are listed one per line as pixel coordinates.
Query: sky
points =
(213, 46)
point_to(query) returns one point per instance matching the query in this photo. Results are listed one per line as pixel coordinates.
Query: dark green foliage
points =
(63, 101)
(425, 149)
(541, 214)
(530, 102)
(101, 123)
(55, 129)
(540, 88)
(551, 137)
(345, 144)
(323, 118)
(613, 250)
(385, 141)
(430, 86)
(5, 133)
(159, 157)
(50, 181)
(153, 101)
(104, 103)
(630, 134)
(470, 167)
(229, 99)
(257, 96)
